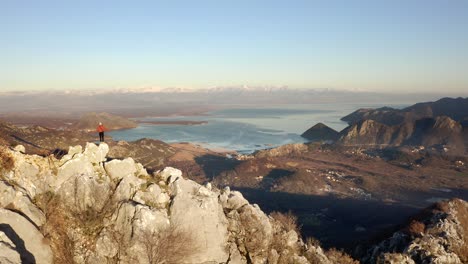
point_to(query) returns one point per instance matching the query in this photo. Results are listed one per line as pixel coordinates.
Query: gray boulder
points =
(117, 169)
(83, 192)
(204, 217)
(96, 154)
(28, 241)
(19, 201)
(8, 253)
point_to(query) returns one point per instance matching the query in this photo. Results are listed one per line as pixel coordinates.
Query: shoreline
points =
(181, 122)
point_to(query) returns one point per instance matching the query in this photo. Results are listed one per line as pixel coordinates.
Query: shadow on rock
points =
(25, 255)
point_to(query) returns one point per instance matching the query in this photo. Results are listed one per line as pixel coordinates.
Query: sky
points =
(375, 45)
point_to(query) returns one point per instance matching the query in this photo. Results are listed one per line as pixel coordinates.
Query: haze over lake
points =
(244, 129)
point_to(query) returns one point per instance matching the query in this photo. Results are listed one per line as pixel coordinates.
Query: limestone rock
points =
(170, 172)
(119, 206)
(85, 192)
(204, 217)
(72, 151)
(317, 254)
(152, 196)
(79, 165)
(127, 187)
(8, 253)
(232, 200)
(20, 148)
(106, 245)
(117, 169)
(96, 154)
(120, 224)
(258, 232)
(162, 199)
(18, 201)
(28, 241)
(395, 258)
(148, 220)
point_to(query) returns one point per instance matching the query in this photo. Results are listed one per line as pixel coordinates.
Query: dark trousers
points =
(101, 136)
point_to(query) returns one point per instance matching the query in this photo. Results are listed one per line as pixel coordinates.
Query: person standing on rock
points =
(101, 128)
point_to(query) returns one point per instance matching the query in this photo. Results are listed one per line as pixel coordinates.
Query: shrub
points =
(338, 256)
(287, 220)
(283, 224)
(171, 245)
(415, 228)
(7, 162)
(312, 241)
(56, 226)
(3, 142)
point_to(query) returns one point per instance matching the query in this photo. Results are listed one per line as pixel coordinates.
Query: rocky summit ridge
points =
(88, 208)
(85, 208)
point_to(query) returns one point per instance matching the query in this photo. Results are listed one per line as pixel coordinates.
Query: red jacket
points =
(101, 128)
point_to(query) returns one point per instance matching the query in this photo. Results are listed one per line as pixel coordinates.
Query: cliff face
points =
(86, 209)
(367, 132)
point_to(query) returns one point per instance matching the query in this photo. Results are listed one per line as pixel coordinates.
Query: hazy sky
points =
(374, 45)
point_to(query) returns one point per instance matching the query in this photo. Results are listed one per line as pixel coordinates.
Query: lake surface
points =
(244, 129)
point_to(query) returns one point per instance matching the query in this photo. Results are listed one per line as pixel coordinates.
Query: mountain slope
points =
(90, 121)
(320, 132)
(427, 132)
(455, 108)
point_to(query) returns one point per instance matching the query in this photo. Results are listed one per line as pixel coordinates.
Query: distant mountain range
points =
(143, 90)
(162, 101)
(442, 123)
(455, 108)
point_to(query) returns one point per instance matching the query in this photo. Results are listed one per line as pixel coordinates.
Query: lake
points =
(244, 129)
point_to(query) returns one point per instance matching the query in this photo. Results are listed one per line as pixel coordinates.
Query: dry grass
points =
(338, 256)
(3, 142)
(311, 256)
(415, 228)
(312, 241)
(7, 163)
(287, 220)
(284, 223)
(169, 246)
(56, 226)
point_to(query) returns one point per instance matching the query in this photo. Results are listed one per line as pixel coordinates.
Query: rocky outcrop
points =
(90, 121)
(95, 210)
(320, 132)
(438, 235)
(368, 132)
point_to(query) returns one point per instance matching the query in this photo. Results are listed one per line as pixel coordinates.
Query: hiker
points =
(101, 130)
